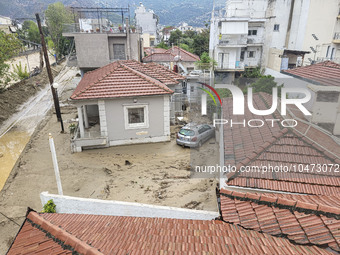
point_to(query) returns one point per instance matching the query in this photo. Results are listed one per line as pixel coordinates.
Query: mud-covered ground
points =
(12, 98)
(147, 173)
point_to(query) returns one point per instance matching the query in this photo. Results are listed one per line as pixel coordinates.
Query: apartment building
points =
(237, 38)
(275, 34)
(147, 20)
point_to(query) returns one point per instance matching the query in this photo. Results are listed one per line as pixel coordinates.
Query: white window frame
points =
(143, 125)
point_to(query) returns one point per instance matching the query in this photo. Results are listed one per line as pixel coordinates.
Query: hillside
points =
(170, 12)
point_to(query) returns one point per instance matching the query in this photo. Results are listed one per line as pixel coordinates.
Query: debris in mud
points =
(127, 163)
(107, 171)
(165, 185)
(192, 205)
(160, 194)
(1, 155)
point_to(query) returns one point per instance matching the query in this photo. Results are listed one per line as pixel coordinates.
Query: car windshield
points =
(187, 132)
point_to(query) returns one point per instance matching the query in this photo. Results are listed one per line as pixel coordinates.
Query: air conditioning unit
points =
(250, 41)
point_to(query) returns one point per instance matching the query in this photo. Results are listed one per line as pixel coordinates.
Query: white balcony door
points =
(223, 60)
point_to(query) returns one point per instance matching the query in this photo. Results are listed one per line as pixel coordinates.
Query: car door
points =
(200, 131)
(208, 132)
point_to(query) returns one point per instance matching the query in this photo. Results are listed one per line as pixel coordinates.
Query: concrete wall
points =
(96, 49)
(115, 118)
(321, 22)
(67, 204)
(92, 50)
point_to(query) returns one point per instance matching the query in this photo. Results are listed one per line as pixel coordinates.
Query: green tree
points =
(206, 62)
(266, 84)
(162, 45)
(10, 46)
(201, 42)
(56, 16)
(175, 37)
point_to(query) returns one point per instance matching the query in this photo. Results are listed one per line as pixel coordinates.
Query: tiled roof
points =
(162, 76)
(118, 79)
(96, 234)
(276, 147)
(185, 55)
(170, 54)
(163, 69)
(324, 73)
(300, 222)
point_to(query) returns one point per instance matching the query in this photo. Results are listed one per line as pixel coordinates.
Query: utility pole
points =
(50, 76)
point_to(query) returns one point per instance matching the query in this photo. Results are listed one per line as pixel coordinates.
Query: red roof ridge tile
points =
(187, 52)
(60, 234)
(166, 69)
(163, 74)
(294, 205)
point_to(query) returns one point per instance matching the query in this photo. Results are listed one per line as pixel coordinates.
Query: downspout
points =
(289, 23)
(128, 39)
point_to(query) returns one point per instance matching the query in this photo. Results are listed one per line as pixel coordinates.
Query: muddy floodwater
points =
(11, 146)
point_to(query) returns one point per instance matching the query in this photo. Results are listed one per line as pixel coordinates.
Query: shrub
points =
(49, 207)
(19, 73)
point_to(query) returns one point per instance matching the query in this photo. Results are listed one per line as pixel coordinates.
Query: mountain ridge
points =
(170, 12)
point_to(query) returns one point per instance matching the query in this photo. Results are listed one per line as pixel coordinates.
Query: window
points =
(242, 55)
(332, 53)
(136, 116)
(119, 52)
(251, 54)
(327, 96)
(252, 32)
(328, 48)
(192, 88)
(276, 27)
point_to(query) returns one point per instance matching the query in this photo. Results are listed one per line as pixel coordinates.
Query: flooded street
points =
(16, 131)
(11, 146)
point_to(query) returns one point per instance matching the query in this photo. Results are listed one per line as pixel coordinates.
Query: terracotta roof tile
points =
(301, 222)
(130, 235)
(170, 54)
(118, 79)
(275, 147)
(325, 73)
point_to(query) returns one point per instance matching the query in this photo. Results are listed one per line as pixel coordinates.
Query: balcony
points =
(336, 38)
(231, 41)
(239, 66)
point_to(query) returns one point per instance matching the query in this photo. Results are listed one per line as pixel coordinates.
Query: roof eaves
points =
(283, 203)
(60, 236)
(117, 65)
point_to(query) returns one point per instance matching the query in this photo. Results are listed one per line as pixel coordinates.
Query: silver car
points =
(193, 135)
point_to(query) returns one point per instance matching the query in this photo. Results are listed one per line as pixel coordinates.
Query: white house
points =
(147, 20)
(274, 34)
(236, 38)
(119, 104)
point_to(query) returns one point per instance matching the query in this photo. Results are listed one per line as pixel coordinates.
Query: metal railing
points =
(97, 28)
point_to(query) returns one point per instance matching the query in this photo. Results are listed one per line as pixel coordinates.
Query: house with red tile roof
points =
(275, 158)
(174, 58)
(286, 180)
(316, 222)
(124, 102)
(53, 233)
(324, 80)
